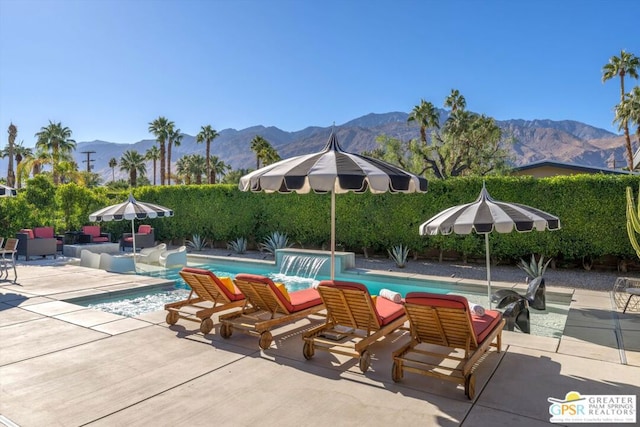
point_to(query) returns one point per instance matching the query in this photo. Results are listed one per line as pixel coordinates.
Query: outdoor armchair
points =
(30, 246)
(93, 234)
(47, 233)
(145, 238)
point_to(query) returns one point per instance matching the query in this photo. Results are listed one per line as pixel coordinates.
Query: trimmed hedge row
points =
(591, 209)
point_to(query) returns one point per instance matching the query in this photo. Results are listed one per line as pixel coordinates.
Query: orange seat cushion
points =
(482, 325)
(144, 229)
(28, 232)
(43, 232)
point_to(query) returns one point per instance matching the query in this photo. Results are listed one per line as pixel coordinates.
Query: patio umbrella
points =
(131, 210)
(486, 215)
(332, 170)
(7, 191)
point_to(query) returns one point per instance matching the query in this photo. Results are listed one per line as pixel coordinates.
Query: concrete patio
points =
(63, 364)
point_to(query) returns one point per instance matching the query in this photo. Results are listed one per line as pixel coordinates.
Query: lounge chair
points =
(206, 287)
(151, 255)
(267, 307)
(354, 321)
(173, 258)
(443, 330)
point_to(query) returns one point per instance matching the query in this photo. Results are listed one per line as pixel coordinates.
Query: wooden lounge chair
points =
(459, 340)
(354, 321)
(207, 288)
(267, 307)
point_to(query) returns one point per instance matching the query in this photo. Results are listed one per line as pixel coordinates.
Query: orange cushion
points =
(43, 232)
(92, 230)
(482, 325)
(28, 232)
(144, 229)
(305, 298)
(388, 311)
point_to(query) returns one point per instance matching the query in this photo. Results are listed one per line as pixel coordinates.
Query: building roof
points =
(570, 166)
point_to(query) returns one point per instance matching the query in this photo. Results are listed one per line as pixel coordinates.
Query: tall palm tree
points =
(628, 113)
(113, 162)
(455, 101)
(426, 116)
(56, 139)
(218, 168)
(182, 169)
(626, 64)
(13, 132)
(132, 162)
(174, 139)
(258, 145)
(197, 167)
(161, 128)
(153, 154)
(21, 153)
(207, 134)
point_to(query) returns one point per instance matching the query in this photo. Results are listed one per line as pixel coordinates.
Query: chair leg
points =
(624, 310)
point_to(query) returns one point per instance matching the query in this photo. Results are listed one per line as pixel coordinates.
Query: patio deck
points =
(61, 364)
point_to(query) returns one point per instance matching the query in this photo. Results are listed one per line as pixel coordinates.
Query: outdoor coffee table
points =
(97, 248)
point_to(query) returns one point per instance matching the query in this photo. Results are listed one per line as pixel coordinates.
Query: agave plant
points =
(277, 240)
(399, 254)
(239, 245)
(534, 269)
(197, 243)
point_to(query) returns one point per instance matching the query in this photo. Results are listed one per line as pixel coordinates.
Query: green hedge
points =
(591, 209)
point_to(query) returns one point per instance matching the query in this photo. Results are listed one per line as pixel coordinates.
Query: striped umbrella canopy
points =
(6, 191)
(486, 215)
(332, 170)
(131, 210)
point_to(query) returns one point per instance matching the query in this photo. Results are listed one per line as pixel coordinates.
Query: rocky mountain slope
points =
(536, 140)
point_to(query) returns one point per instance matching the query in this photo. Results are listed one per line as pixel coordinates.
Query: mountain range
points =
(536, 140)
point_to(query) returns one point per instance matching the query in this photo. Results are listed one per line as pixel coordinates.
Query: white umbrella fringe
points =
(332, 171)
(486, 215)
(130, 211)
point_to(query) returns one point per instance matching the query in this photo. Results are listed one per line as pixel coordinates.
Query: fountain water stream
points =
(301, 266)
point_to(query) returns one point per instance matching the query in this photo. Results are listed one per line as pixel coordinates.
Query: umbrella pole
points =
(486, 250)
(133, 234)
(333, 233)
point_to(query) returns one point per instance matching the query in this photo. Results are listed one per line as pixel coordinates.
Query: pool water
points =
(548, 323)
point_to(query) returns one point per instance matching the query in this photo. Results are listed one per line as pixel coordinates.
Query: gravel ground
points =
(570, 278)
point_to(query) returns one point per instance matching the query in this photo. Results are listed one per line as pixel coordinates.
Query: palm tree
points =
(197, 167)
(218, 168)
(258, 144)
(21, 153)
(13, 132)
(207, 134)
(628, 113)
(132, 162)
(426, 115)
(455, 101)
(56, 139)
(182, 169)
(161, 128)
(113, 162)
(174, 138)
(626, 64)
(153, 154)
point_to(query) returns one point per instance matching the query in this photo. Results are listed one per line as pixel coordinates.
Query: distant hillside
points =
(566, 141)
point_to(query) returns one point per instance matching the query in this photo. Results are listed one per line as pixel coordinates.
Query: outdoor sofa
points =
(29, 245)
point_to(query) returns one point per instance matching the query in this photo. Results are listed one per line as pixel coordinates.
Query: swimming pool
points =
(548, 323)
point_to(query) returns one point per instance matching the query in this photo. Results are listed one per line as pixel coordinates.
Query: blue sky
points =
(106, 68)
